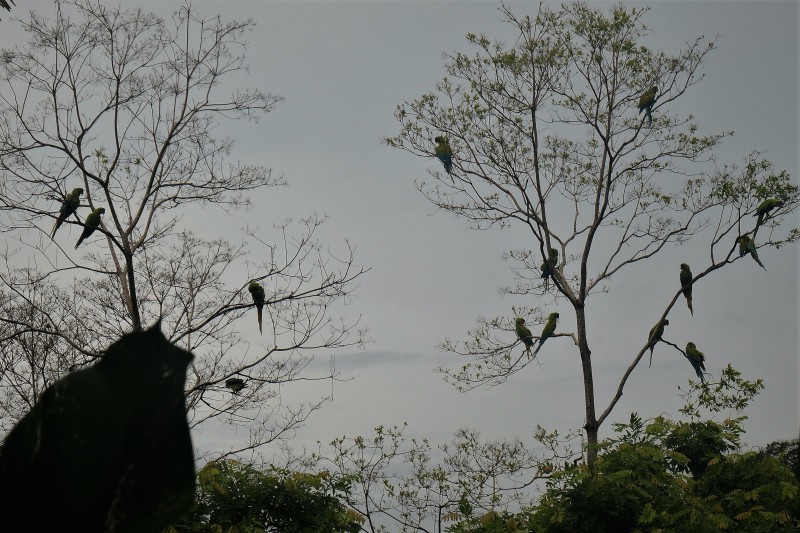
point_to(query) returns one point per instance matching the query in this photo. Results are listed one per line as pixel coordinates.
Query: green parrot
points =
(549, 266)
(697, 358)
(524, 334)
(234, 384)
(686, 285)
(257, 292)
(655, 336)
(646, 102)
(747, 246)
(91, 223)
(765, 207)
(548, 330)
(444, 153)
(68, 207)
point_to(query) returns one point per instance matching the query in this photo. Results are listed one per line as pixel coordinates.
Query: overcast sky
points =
(343, 67)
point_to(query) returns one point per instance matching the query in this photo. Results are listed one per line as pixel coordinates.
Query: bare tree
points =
(419, 488)
(547, 134)
(125, 106)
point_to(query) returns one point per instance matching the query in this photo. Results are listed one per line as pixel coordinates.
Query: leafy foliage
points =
(667, 476)
(787, 451)
(237, 497)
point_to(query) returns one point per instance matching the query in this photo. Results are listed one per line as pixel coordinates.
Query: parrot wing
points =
(525, 335)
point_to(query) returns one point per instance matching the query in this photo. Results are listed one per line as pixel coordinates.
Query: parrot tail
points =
(259, 309)
(699, 373)
(649, 117)
(651, 356)
(759, 261)
(689, 303)
(528, 342)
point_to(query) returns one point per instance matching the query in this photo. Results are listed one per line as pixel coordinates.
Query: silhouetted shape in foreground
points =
(106, 448)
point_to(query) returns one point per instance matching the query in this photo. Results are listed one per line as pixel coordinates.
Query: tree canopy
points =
(547, 134)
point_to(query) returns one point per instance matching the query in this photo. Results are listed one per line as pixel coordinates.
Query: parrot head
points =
(769, 204)
(77, 191)
(690, 346)
(253, 287)
(553, 316)
(553, 252)
(439, 139)
(665, 322)
(520, 321)
(684, 266)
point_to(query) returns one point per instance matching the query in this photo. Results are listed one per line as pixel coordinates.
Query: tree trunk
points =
(590, 426)
(135, 316)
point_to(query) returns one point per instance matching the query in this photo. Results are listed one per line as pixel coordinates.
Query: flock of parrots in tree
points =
(695, 356)
(445, 154)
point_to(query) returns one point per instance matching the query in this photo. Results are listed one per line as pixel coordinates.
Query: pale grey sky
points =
(344, 66)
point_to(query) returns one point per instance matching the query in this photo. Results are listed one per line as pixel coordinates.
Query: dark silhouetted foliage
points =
(235, 496)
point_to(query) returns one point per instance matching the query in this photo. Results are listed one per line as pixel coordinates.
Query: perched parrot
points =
(549, 266)
(257, 292)
(747, 246)
(444, 153)
(686, 285)
(655, 336)
(70, 205)
(548, 330)
(646, 102)
(764, 208)
(91, 223)
(524, 334)
(234, 384)
(697, 358)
